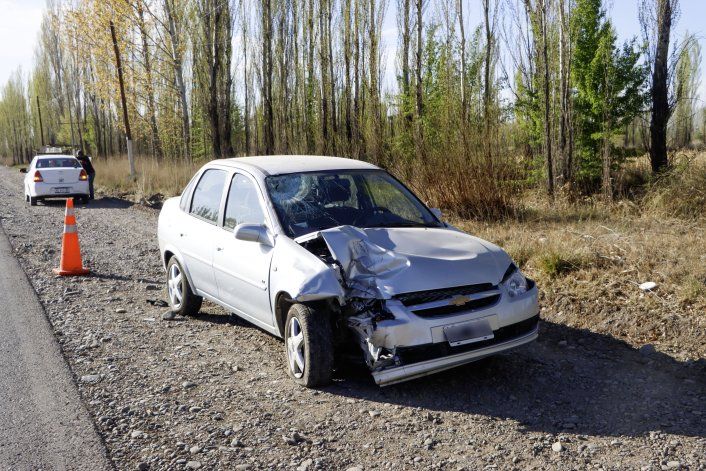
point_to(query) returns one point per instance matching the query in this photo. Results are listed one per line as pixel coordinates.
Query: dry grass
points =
(589, 270)
(681, 192)
(153, 177)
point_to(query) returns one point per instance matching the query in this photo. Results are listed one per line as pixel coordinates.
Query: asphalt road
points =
(43, 423)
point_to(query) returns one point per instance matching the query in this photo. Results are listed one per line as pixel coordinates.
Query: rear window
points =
(58, 162)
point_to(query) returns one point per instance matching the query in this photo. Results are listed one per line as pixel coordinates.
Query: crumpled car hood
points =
(383, 262)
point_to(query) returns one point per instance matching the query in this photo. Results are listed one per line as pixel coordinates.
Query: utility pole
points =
(41, 126)
(128, 134)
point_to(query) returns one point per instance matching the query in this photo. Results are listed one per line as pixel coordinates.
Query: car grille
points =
(440, 302)
(421, 297)
(431, 351)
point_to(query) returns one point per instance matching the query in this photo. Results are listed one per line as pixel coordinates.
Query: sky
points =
(20, 21)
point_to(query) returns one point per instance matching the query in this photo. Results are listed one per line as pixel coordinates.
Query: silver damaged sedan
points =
(338, 257)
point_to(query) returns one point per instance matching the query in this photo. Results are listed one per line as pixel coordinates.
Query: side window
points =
(243, 203)
(186, 194)
(207, 195)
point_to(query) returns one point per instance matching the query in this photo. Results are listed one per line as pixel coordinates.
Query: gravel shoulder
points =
(211, 392)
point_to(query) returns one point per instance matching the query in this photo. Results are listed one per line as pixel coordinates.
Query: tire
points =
(178, 285)
(314, 349)
(33, 201)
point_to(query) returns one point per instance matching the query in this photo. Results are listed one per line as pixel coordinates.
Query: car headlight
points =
(514, 281)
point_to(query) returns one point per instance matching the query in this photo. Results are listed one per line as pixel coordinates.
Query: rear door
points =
(242, 268)
(197, 235)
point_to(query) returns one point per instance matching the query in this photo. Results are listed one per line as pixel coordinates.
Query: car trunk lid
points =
(57, 175)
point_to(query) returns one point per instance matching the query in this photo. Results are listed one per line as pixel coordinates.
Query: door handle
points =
(218, 249)
(182, 234)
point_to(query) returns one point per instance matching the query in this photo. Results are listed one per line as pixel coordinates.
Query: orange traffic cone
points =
(71, 263)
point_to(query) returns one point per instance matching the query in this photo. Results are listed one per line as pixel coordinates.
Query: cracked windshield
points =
(308, 202)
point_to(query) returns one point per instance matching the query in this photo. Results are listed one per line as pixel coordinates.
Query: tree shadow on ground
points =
(594, 385)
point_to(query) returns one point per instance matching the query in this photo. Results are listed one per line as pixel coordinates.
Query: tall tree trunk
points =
(464, 82)
(607, 184)
(547, 99)
(357, 136)
(660, 92)
(406, 45)
(225, 81)
(374, 89)
(332, 75)
(487, 76)
(126, 119)
(246, 82)
(347, 53)
(323, 59)
(420, 65)
(565, 122)
(211, 18)
(267, 76)
(177, 62)
(147, 60)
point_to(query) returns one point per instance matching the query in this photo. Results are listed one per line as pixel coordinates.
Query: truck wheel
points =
(309, 345)
(182, 299)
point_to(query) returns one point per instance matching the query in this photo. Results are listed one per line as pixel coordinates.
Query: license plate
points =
(468, 332)
(61, 190)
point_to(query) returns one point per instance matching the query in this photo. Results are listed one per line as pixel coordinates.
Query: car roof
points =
(281, 164)
(55, 156)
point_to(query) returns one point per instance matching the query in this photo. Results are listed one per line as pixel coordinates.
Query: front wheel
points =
(182, 299)
(309, 345)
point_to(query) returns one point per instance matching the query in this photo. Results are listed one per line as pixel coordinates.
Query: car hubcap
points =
(295, 348)
(174, 286)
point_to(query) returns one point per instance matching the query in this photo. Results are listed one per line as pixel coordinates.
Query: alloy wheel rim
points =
(174, 286)
(295, 348)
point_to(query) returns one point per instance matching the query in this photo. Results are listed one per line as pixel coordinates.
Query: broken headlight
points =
(514, 281)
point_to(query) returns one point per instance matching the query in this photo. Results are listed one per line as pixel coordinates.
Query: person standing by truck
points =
(88, 167)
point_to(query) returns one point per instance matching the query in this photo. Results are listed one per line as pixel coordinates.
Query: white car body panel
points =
(377, 264)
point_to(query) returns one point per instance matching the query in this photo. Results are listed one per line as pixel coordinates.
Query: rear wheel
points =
(33, 201)
(309, 345)
(182, 299)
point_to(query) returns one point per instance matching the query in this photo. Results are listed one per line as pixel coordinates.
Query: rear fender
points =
(171, 249)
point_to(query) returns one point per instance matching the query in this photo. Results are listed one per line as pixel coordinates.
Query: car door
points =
(242, 268)
(199, 231)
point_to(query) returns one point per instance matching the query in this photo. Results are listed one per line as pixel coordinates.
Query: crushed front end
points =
(409, 334)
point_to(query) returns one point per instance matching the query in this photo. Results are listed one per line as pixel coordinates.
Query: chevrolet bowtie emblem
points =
(459, 300)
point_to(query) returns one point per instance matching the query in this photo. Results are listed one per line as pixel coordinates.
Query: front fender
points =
(301, 274)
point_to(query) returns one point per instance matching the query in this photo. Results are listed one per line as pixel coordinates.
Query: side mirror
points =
(436, 212)
(23, 170)
(253, 233)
